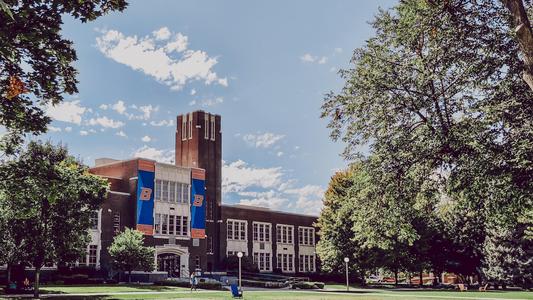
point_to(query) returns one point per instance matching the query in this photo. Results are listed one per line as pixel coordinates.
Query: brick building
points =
(179, 209)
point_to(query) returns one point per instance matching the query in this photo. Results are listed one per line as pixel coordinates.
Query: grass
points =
(163, 292)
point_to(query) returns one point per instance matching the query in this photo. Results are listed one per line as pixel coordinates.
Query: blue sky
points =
(263, 66)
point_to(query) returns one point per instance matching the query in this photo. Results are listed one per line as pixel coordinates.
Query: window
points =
(171, 191)
(116, 222)
(210, 244)
(306, 263)
(171, 224)
(184, 127)
(197, 262)
(286, 262)
(261, 232)
(184, 226)
(206, 126)
(164, 224)
(94, 220)
(306, 236)
(190, 126)
(213, 133)
(262, 260)
(236, 230)
(284, 234)
(92, 255)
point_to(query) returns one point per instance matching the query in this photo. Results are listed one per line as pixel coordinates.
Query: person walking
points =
(193, 282)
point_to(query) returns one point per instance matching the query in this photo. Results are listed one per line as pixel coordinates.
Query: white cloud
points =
(207, 102)
(269, 187)
(119, 107)
(121, 133)
(54, 129)
(104, 107)
(164, 155)
(193, 92)
(83, 132)
(162, 123)
(146, 139)
(279, 154)
(162, 55)
(70, 112)
(239, 176)
(68, 129)
(162, 34)
(147, 111)
(264, 140)
(309, 198)
(338, 50)
(308, 58)
(270, 199)
(105, 122)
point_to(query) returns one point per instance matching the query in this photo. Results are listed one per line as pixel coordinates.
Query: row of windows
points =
(171, 191)
(262, 260)
(286, 262)
(209, 123)
(284, 234)
(236, 230)
(261, 232)
(209, 127)
(306, 236)
(90, 258)
(306, 263)
(171, 224)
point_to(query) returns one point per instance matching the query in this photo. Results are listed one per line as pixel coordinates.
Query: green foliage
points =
(47, 199)
(36, 62)
(128, 252)
(437, 96)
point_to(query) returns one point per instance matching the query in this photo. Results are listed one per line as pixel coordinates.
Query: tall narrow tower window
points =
(213, 128)
(184, 127)
(190, 126)
(206, 126)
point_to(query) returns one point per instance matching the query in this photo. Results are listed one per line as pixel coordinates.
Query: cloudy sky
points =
(264, 66)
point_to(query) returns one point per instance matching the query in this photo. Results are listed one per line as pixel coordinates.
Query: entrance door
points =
(169, 263)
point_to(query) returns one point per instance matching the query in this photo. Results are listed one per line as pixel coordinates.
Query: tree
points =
(51, 200)
(337, 238)
(36, 62)
(437, 97)
(524, 36)
(128, 252)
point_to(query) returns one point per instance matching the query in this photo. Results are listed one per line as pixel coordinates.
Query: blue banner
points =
(145, 201)
(198, 208)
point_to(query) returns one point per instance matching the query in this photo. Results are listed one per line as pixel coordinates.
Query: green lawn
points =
(161, 292)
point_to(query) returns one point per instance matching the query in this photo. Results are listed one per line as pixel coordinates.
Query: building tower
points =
(199, 145)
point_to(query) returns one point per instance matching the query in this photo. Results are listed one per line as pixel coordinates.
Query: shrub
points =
(210, 285)
(303, 285)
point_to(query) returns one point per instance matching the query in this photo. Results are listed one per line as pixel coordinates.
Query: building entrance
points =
(169, 263)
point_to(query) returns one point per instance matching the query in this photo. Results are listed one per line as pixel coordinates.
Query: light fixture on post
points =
(346, 260)
(239, 255)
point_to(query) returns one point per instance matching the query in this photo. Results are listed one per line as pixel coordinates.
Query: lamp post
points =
(239, 255)
(346, 260)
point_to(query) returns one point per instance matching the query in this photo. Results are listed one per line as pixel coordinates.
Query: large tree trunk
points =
(129, 276)
(524, 36)
(36, 283)
(396, 277)
(421, 278)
